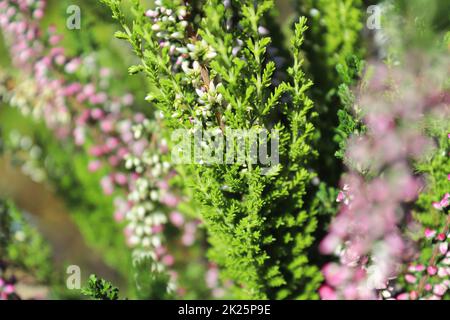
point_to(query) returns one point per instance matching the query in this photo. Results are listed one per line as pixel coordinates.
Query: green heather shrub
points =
(259, 226)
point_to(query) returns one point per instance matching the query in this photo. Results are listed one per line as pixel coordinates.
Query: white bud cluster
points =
(169, 27)
(146, 217)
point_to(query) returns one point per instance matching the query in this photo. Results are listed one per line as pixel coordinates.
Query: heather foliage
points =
(240, 205)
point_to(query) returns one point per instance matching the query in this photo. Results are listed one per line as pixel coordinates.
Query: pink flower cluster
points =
(367, 234)
(97, 121)
(430, 281)
(444, 203)
(7, 290)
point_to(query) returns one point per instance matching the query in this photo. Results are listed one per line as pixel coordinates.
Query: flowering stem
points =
(432, 263)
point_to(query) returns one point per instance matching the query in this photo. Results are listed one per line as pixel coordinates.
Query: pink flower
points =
(443, 203)
(432, 270)
(176, 219)
(168, 260)
(119, 216)
(94, 165)
(340, 197)
(107, 126)
(443, 248)
(73, 65)
(329, 244)
(334, 274)
(163, 185)
(170, 200)
(187, 239)
(71, 89)
(212, 277)
(350, 292)
(442, 273)
(9, 289)
(128, 99)
(96, 151)
(38, 14)
(160, 251)
(79, 136)
(158, 228)
(410, 278)
(439, 289)
(107, 185)
(327, 293)
(403, 296)
(420, 268)
(413, 295)
(121, 179)
(97, 114)
(114, 161)
(429, 234)
(441, 237)
(98, 98)
(112, 143)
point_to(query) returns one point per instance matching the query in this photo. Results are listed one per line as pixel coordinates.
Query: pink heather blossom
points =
(429, 234)
(170, 200)
(90, 113)
(160, 251)
(97, 113)
(443, 248)
(403, 296)
(432, 270)
(107, 185)
(158, 228)
(327, 293)
(410, 278)
(442, 272)
(420, 268)
(441, 236)
(439, 289)
(121, 179)
(8, 289)
(119, 216)
(212, 276)
(114, 161)
(107, 126)
(168, 260)
(380, 183)
(128, 100)
(176, 219)
(94, 165)
(73, 66)
(334, 274)
(112, 143)
(340, 197)
(38, 14)
(188, 239)
(163, 185)
(443, 203)
(72, 89)
(96, 151)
